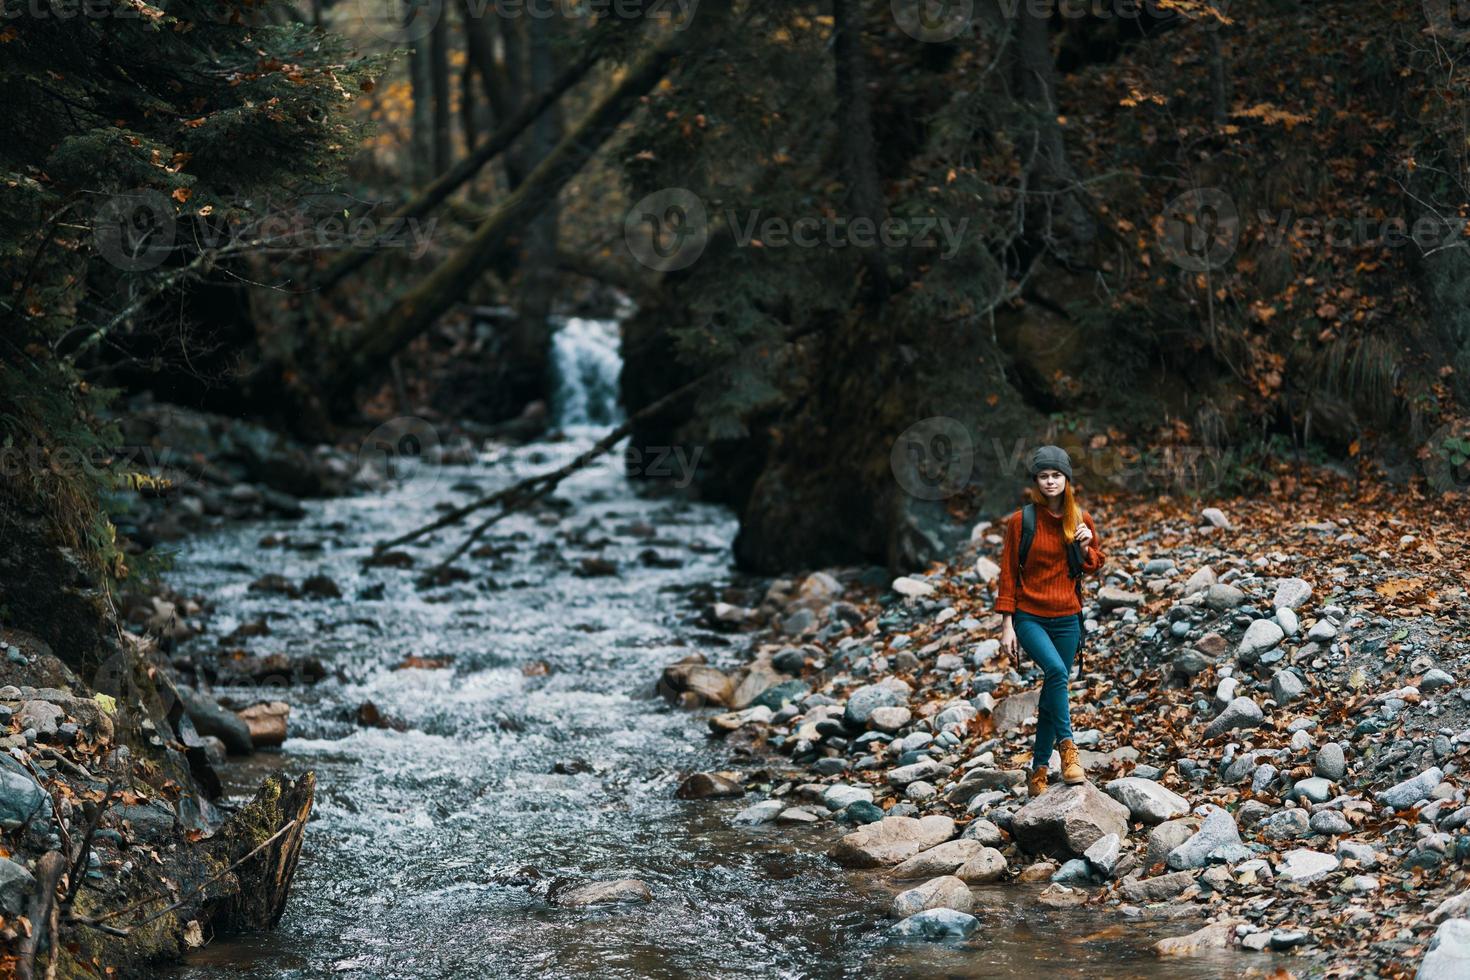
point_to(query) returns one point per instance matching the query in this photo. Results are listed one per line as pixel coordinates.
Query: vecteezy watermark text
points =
(669, 229)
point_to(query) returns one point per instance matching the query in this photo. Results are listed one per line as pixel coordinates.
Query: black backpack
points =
(1074, 571)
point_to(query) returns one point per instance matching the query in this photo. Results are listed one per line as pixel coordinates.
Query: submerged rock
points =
(623, 891)
(936, 924)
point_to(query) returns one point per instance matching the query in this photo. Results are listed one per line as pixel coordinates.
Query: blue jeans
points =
(1052, 643)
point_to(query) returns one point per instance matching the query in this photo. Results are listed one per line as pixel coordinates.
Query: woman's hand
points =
(1008, 644)
(1083, 535)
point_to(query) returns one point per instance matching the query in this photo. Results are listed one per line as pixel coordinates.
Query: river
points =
(541, 745)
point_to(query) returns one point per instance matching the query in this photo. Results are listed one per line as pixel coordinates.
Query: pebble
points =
(1240, 713)
(1331, 763)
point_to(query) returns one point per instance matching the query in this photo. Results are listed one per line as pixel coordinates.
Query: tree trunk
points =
(421, 87)
(855, 126)
(417, 309)
(439, 78)
(1038, 92)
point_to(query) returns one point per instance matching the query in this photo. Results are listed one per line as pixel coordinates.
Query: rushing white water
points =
(584, 355)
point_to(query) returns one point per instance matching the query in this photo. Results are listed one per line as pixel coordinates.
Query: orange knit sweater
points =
(1045, 589)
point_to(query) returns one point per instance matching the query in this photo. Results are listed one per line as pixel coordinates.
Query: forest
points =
(535, 487)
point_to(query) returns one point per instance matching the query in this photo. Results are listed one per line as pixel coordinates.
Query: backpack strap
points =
(1028, 534)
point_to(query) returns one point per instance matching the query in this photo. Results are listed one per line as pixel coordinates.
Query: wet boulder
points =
(945, 892)
(624, 891)
(1066, 820)
(210, 718)
(890, 841)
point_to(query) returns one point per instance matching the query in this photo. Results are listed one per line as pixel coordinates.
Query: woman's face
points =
(1051, 482)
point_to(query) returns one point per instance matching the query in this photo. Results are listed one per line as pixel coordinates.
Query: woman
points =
(1040, 603)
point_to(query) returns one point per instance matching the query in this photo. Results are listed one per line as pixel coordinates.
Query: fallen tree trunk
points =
(417, 309)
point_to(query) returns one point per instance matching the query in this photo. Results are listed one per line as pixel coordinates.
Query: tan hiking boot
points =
(1072, 773)
(1036, 782)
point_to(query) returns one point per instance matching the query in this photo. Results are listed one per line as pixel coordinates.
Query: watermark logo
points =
(933, 21)
(667, 230)
(406, 451)
(933, 458)
(397, 21)
(1200, 229)
(134, 231)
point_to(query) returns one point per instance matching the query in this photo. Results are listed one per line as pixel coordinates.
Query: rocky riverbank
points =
(1273, 713)
(116, 839)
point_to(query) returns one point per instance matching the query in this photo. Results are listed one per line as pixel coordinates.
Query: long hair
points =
(1071, 513)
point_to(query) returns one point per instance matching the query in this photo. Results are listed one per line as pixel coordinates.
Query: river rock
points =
(778, 696)
(16, 884)
(912, 587)
(624, 891)
(1448, 955)
(757, 679)
(1216, 935)
(1217, 840)
(1286, 825)
(1221, 596)
(22, 800)
(865, 700)
(889, 718)
(890, 841)
(1158, 888)
(1403, 795)
(841, 796)
(1146, 799)
(1111, 597)
(1291, 593)
(987, 866)
(1011, 712)
(267, 722)
(1167, 836)
(1260, 636)
(758, 813)
(43, 716)
(945, 892)
(924, 769)
(1067, 820)
(1331, 763)
(942, 859)
(210, 718)
(1104, 854)
(936, 924)
(1330, 823)
(1304, 864)
(1313, 789)
(1286, 686)
(1363, 855)
(1240, 713)
(985, 832)
(708, 786)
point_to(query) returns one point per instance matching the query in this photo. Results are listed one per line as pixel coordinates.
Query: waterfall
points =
(585, 357)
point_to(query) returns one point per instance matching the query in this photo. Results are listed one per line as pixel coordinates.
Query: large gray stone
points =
(1167, 836)
(1240, 713)
(1217, 840)
(890, 841)
(16, 884)
(987, 866)
(1403, 795)
(862, 703)
(1012, 711)
(1304, 864)
(1260, 636)
(1291, 593)
(1223, 596)
(944, 892)
(1286, 825)
(1448, 955)
(1066, 820)
(22, 800)
(1331, 763)
(937, 924)
(941, 859)
(1286, 686)
(1147, 800)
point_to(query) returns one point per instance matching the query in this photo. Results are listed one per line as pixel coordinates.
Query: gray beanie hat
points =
(1051, 458)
